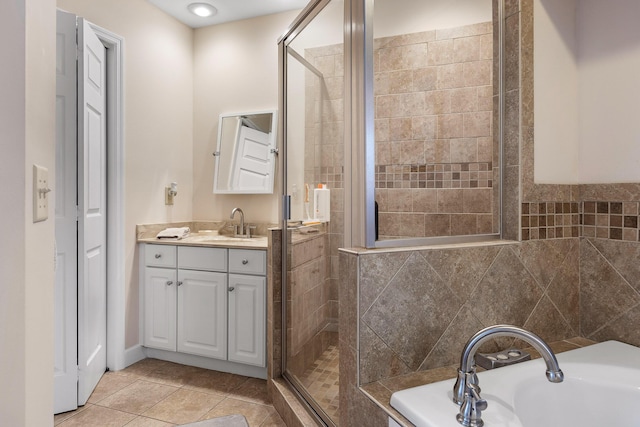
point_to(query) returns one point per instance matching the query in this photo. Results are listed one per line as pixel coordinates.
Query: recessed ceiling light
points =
(202, 9)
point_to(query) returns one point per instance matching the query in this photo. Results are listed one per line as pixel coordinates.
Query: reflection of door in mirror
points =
(251, 160)
(245, 155)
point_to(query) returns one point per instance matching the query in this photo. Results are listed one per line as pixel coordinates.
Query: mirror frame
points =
(273, 152)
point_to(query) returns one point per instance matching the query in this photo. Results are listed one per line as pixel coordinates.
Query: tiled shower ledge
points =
(380, 391)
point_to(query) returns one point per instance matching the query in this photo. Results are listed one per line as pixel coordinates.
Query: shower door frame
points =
(300, 23)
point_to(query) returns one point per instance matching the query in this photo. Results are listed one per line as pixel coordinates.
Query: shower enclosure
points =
(392, 137)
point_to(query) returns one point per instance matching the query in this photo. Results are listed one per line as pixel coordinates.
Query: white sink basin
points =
(601, 387)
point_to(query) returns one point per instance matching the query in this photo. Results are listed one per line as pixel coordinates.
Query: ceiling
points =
(228, 10)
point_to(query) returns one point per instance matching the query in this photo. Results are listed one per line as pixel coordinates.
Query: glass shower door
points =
(314, 177)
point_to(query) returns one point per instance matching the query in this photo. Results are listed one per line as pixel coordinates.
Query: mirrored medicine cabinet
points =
(246, 153)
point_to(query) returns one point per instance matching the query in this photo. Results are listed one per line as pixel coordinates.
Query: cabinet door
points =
(160, 308)
(247, 321)
(202, 313)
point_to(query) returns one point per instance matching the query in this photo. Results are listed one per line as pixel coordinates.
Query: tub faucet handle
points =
(472, 406)
(474, 391)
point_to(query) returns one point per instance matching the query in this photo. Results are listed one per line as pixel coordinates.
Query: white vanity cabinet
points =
(206, 301)
(185, 307)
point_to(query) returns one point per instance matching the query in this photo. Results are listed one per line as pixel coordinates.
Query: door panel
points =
(92, 316)
(65, 369)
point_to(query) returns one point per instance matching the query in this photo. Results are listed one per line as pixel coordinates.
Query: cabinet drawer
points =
(210, 259)
(160, 256)
(247, 261)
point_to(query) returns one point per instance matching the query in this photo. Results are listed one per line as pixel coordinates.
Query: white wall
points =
(609, 53)
(158, 108)
(395, 17)
(235, 70)
(556, 92)
(587, 63)
(27, 120)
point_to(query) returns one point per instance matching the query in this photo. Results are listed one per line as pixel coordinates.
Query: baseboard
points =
(132, 355)
(207, 363)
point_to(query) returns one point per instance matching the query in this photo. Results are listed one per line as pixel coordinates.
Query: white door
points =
(92, 211)
(202, 313)
(247, 319)
(65, 369)
(252, 163)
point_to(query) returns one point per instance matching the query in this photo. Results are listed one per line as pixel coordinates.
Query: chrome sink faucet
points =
(240, 230)
(466, 392)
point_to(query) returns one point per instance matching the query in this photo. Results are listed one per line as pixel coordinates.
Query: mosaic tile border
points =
(596, 219)
(610, 220)
(332, 176)
(436, 175)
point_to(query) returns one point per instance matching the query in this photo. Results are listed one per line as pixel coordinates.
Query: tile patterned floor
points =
(155, 393)
(321, 381)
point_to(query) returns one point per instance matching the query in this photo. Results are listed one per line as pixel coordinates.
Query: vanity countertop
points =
(206, 234)
(209, 240)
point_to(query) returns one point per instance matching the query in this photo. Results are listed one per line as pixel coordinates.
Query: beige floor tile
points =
(138, 397)
(98, 416)
(184, 406)
(156, 393)
(254, 413)
(214, 382)
(173, 374)
(58, 418)
(143, 367)
(110, 383)
(148, 422)
(252, 390)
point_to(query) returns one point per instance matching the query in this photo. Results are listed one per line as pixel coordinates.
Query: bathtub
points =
(601, 388)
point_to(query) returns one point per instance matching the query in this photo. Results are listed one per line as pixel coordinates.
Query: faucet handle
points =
(472, 407)
(249, 228)
(474, 391)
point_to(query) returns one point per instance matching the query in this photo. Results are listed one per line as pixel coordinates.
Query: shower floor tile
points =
(321, 381)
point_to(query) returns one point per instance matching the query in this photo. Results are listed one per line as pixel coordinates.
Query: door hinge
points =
(77, 213)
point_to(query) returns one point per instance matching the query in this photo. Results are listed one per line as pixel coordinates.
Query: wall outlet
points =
(40, 193)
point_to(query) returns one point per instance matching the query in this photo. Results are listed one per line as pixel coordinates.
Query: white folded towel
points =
(174, 233)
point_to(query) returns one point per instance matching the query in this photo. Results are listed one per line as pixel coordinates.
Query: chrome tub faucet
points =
(466, 392)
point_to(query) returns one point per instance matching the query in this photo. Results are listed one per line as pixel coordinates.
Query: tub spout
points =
(466, 392)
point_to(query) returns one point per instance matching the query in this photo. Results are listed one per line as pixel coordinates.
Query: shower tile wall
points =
(308, 296)
(434, 146)
(439, 297)
(324, 155)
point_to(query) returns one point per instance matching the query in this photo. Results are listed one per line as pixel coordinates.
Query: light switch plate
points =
(40, 193)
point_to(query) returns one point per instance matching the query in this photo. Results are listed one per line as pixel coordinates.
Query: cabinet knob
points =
(245, 261)
(231, 288)
(169, 282)
(158, 256)
(179, 283)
